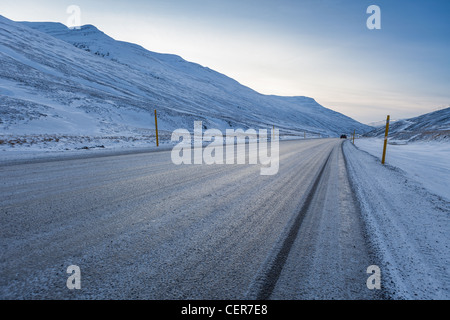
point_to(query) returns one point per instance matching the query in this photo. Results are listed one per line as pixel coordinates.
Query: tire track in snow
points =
(267, 278)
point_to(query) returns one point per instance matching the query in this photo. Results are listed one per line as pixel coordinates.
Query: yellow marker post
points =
(383, 160)
(156, 129)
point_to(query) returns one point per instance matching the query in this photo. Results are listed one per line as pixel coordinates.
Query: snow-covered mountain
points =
(80, 82)
(430, 126)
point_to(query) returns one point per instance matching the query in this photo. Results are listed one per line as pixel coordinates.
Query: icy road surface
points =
(140, 227)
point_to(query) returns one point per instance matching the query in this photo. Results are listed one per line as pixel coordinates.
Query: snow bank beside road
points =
(425, 162)
(408, 228)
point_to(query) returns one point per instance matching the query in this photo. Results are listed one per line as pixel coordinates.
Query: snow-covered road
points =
(140, 227)
(329, 256)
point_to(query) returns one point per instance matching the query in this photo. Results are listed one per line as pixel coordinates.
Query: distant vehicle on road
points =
(343, 136)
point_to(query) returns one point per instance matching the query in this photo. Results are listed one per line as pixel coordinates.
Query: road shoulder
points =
(407, 226)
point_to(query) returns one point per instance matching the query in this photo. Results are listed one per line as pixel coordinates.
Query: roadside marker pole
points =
(156, 129)
(354, 132)
(385, 140)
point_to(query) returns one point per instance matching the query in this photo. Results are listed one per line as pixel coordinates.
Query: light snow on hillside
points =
(82, 83)
(433, 126)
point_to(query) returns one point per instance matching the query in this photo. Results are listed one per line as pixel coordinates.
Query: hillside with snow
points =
(59, 84)
(430, 126)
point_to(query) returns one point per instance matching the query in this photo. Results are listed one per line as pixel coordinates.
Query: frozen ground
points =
(425, 162)
(408, 226)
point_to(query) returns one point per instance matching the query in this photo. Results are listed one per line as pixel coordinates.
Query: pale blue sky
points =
(316, 48)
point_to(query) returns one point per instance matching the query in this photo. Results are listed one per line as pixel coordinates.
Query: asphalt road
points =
(140, 227)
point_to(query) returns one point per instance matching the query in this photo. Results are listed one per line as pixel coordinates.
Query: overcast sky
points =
(317, 48)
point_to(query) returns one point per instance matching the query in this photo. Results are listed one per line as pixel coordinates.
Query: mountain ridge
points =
(56, 80)
(434, 125)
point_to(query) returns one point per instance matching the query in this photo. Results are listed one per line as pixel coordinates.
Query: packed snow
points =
(408, 226)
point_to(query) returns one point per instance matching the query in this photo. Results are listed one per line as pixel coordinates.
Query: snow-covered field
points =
(407, 221)
(427, 162)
